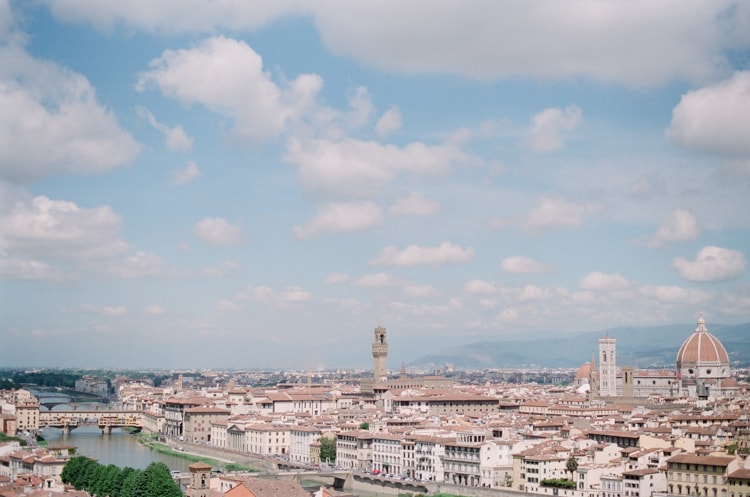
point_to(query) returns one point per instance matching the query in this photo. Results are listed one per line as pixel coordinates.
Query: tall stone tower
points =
(380, 354)
(200, 479)
(607, 367)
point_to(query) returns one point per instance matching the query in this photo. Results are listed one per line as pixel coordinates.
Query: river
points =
(118, 448)
(122, 449)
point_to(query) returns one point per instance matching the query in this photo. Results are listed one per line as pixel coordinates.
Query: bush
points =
(559, 483)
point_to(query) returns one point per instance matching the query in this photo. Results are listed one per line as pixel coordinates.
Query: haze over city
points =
(239, 184)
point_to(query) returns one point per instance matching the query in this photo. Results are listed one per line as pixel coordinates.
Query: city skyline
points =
(184, 184)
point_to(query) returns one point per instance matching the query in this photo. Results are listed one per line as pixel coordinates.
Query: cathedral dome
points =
(584, 372)
(701, 350)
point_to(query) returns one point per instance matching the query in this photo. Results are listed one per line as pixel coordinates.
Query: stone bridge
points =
(104, 419)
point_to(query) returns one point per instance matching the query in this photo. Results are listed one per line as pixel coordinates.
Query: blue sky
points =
(260, 184)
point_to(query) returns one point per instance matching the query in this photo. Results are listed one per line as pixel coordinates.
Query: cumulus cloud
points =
(218, 231)
(16, 268)
(154, 310)
(389, 122)
(175, 137)
(414, 255)
(140, 265)
(227, 77)
(224, 306)
(187, 175)
(52, 123)
(342, 217)
(220, 270)
(58, 229)
(360, 103)
(678, 226)
(351, 167)
(376, 280)
(337, 279)
(549, 127)
(711, 264)
(114, 311)
(550, 213)
(716, 118)
(288, 296)
(637, 43)
(675, 294)
(416, 204)
(598, 281)
(420, 290)
(519, 264)
(479, 287)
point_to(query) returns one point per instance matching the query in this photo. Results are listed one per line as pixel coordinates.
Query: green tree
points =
(128, 483)
(364, 425)
(327, 449)
(160, 482)
(571, 465)
(117, 485)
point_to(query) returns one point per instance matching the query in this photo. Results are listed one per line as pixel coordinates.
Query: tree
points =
(327, 449)
(160, 482)
(571, 465)
(364, 425)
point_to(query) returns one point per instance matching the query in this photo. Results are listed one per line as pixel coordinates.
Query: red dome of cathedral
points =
(702, 349)
(584, 372)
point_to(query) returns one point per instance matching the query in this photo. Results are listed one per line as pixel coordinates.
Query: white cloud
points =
(678, 226)
(337, 279)
(519, 264)
(360, 102)
(479, 287)
(154, 310)
(416, 204)
(140, 265)
(414, 255)
(224, 306)
(114, 311)
(390, 121)
(51, 122)
(220, 270)
(185, 176)
(218, 231)
(227, 77)
(60, 229)
(342, 218)
(290, 295)
(376, 280)
(550, 213)
(675, 294)
(14, 268)
(175, 137)
(549, 126)
(639, 43)
(420, 290)
(598, 281)
(711, 264)
(293, 294)
(716, 118)
(358, 168)
(533, 292)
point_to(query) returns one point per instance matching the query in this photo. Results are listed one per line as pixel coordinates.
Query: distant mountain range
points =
(643, 347)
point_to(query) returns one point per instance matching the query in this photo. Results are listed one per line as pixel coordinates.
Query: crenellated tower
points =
(380, 354)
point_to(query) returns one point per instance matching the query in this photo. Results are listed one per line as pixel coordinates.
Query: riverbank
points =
(224, 464)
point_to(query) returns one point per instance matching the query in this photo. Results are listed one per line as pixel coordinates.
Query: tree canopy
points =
(327, 449)
(110, 481)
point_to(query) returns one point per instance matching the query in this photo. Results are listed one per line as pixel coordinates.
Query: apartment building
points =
(197, 424)
(705, 476)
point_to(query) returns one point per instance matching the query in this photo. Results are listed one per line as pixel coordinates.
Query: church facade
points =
(702, 370)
